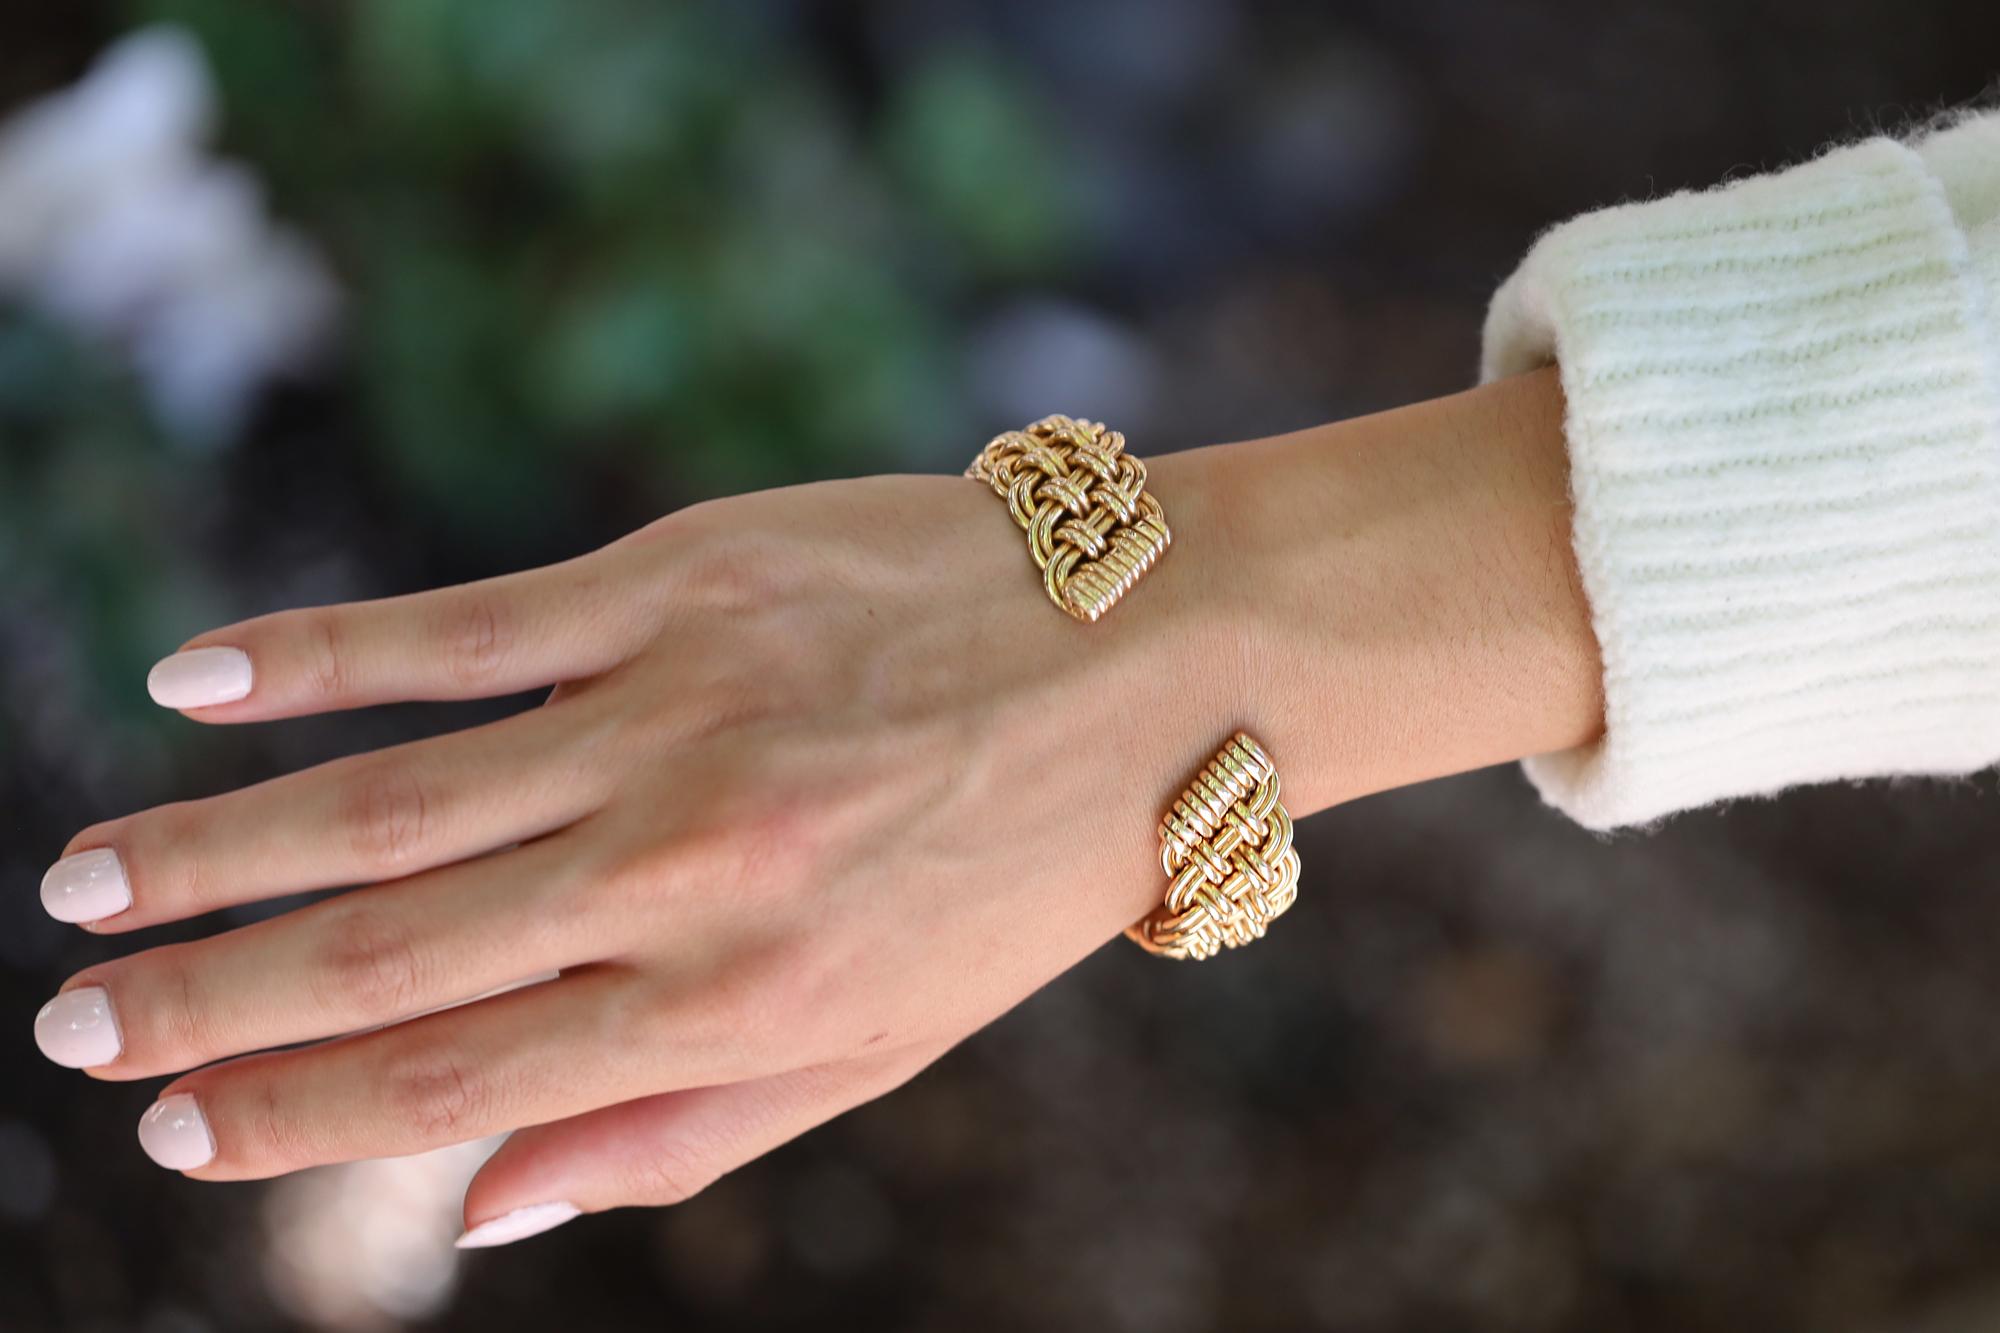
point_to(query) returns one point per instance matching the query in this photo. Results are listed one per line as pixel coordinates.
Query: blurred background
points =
(310, 301)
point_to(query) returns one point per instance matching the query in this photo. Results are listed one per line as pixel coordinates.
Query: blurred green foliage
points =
(611, 234)
(89, 510)
(601, 247)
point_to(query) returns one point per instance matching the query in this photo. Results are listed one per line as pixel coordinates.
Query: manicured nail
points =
(200, 677)
(518, 1225)
(77, 1030)
(173, 1133)
(86, 887)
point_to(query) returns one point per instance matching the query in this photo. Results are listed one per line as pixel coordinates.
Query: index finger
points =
(477, 640)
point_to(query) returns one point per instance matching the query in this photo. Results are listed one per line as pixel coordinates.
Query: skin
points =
(823, 786)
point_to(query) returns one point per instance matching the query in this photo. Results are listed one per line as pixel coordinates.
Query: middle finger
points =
(358, 960)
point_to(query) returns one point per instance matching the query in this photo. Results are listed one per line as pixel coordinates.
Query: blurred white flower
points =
(140, 114)
(368, 1245)
(114, 218)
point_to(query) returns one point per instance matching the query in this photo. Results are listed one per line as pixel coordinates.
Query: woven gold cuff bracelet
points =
(1094, 531)
(1092, 527)
(1227, 849)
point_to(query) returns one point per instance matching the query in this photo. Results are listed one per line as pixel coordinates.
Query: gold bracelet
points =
(1094, 530)
(1092, 527)
(1227, 849)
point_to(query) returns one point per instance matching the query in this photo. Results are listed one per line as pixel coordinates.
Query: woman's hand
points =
(824, 785)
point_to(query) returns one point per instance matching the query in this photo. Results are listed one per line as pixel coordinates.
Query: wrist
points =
(1391, 598)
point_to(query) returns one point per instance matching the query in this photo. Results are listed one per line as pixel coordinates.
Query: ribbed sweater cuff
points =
(1784, 438)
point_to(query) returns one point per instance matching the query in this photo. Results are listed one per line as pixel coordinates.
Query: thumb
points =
(666, 1148)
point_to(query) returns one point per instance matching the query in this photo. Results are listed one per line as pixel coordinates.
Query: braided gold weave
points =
(1227, 849)
(1092, 527)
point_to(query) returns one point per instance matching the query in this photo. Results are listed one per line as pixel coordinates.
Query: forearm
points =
(1391, 598)
(1782, 427)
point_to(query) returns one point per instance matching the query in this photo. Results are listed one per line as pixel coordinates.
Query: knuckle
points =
(181, 843)
(166, 855)
(368, 966)
(757, 1014)
(271, 1127)
(475, 638)
(173, 1025)
(781, 1003)
(725, 571)
(639, 881)
(758, 861)
(781, 844)
(767, 847)
(325, 654)
(387, 813)
(438, 1093)
(673, 1172)
(722, 704)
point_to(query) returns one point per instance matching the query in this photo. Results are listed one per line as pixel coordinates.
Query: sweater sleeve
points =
(1784, 434)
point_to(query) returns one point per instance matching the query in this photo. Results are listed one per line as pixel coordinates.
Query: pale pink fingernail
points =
(86, 887)
(200, 677)
(174, 1134)
(518, 1225)
(77, 1029)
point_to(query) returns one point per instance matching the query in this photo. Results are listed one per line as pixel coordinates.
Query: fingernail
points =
(518, 1225)
(173, 1133)
(77, 1030)
(86, 887)
(200, 677)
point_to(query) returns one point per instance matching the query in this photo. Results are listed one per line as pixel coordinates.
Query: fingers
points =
(665, 1148)
(543, 1053)
(361, 959)
(477, 640)
(369, 817)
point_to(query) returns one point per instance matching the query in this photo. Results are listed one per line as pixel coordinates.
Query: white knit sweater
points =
(1784, 436)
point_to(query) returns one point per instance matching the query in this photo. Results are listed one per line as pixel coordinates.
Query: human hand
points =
(823, 786)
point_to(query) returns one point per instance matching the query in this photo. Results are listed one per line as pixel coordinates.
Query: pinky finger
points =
(664, 1149)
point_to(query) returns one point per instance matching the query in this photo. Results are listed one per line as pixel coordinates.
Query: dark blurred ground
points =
(601, 259)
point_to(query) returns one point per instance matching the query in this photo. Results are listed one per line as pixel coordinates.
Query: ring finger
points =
(586, 1040)
(358, 960)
